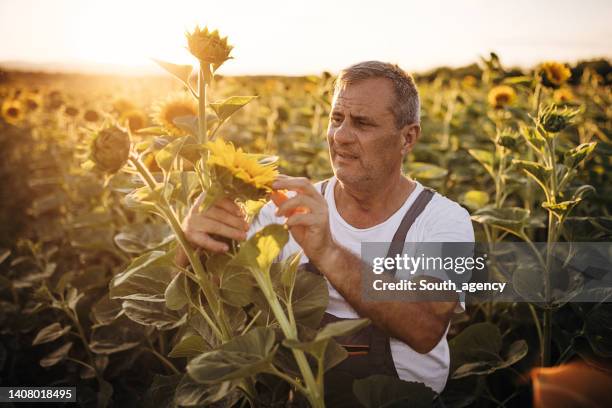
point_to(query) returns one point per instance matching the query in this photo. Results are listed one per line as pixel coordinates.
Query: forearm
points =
(418, 323)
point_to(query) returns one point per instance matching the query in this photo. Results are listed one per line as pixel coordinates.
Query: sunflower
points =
(165, 112)
(469, 81)
(563, 95)
(71, 111)
(239, 173)
(554, 74)
(12, 111)
(135, 119)
(32, 101)
(208, 47)
(91, 115)
(501, 96)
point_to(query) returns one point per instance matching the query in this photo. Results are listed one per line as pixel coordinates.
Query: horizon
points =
(301, 38)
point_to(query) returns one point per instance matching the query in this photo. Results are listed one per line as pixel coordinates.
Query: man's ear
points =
(410, 135)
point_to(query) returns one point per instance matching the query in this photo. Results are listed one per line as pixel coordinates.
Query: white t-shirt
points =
(442, 220)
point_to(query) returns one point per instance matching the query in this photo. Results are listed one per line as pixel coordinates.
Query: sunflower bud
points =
(208, 47)
(554, 74)
(110, 149)
(554, 120)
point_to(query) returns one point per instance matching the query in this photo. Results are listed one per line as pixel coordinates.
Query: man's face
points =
(365, 146)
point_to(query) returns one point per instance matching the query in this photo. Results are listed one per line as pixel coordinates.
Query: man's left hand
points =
(310, 228)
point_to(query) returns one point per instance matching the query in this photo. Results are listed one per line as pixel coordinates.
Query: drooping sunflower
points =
(171, 108)
(135, 119)
(32, 101)
(240, 174)
(501, 96)
(71, 111)
(208, 47)
(122, 105)
(563, 95)
(91, 115)
(554, 74)
(12, 111)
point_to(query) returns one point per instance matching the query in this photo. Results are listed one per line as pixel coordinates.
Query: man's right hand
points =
(223, 219)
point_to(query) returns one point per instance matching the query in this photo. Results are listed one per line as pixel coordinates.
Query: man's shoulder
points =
(444, 219)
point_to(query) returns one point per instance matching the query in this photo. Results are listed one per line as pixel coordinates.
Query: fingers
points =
(299, 184)
(204, 240)
(299, 203)
(303, 220)
(224, 216)
(213, 226)
(230, 206)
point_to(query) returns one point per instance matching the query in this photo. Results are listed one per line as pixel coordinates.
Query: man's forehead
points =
(364, 97)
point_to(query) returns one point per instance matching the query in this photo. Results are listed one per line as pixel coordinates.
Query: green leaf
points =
(177, 293)
(56, 356)
(141, 237)
(153, 314)
(485, 158)
(166, 156)
(516, 352)
(237, 286)
(189, 346)
(50, 333)
(240, 357)
(161, 392)
(426, 171)
(310, 298)
(511, 219)
(475, 199)
(262, 248)
(378, 391)
(563, 208)
(181, 72)
(145, 278)
(535, 170)
(229, 106)
(120, 335)
(341, 328)
(478, 342)
(289, 269)
(533, 138)
(190, 393)
(577, 155)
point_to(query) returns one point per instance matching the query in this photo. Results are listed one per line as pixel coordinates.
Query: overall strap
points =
(324, 186)
(399, 238)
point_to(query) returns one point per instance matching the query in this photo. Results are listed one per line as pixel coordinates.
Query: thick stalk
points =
(194, 259)
(202, 85)
(314, 391)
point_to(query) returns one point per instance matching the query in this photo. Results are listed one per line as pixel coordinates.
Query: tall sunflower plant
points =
(245, 325)
(532, 154)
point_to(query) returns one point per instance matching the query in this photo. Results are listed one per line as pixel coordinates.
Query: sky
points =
(302, 37)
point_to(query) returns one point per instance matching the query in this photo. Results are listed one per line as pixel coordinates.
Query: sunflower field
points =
(98, 173)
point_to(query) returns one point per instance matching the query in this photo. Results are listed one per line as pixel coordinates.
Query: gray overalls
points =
(369, 349)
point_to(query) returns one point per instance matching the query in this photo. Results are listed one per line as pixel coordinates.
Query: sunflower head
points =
(171, 108)
(208, 47)
(91, 115)
(554, 74)
(563, 95)
(110, 149)
(122, 105)
(134, 119)
(32, 101)
(554, 119)
(240, 174)
(71, 111)
(501, 96)
(12, 111)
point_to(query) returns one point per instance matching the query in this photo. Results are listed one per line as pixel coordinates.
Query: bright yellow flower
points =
(171, 108)
(208, 47)
(563, 95)
(554, 74)
(501, 96)
(12, 111)
(241, 165)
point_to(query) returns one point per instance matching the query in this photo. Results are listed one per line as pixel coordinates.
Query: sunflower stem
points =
(202, 125)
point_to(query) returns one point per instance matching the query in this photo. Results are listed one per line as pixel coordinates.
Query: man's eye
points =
(336, 120)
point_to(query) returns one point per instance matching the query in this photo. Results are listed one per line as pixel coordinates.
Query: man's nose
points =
(343, 133)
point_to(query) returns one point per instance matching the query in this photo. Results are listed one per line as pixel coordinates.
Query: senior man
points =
(374, 123)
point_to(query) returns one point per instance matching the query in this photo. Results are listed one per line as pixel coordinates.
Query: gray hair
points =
(407, 106)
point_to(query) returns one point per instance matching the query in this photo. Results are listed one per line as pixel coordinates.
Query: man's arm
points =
(420, 324)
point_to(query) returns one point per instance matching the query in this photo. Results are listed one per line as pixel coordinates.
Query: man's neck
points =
(364, 208)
